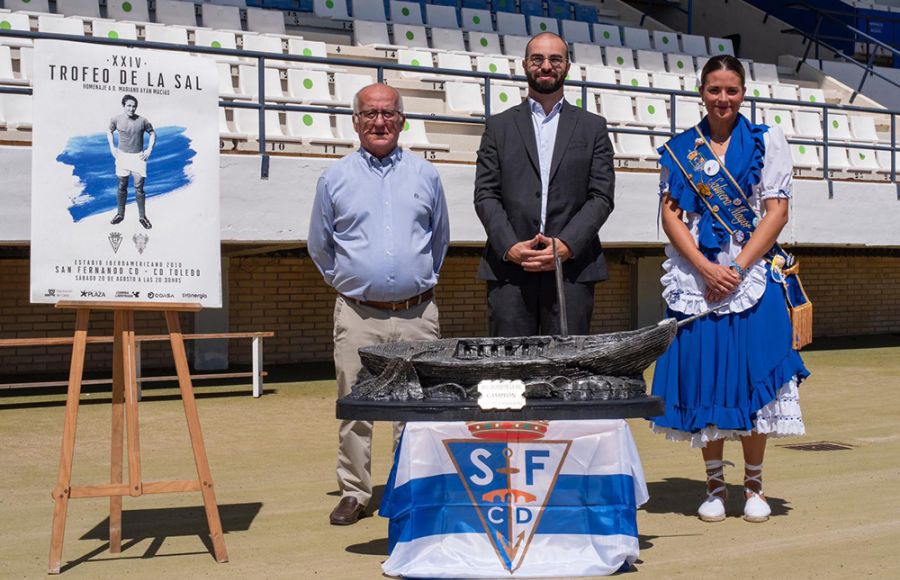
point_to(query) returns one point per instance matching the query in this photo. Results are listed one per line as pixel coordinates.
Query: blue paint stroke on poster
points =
(95, 168)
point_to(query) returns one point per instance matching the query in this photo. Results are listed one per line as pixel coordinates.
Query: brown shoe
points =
(348, 511)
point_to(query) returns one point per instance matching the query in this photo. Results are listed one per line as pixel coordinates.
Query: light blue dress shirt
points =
(379, 228)
(545, 126)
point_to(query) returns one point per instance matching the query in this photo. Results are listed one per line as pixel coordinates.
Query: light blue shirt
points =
(379, 228)
(545, 133)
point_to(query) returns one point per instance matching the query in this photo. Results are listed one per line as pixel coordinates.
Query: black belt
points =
(394, 306)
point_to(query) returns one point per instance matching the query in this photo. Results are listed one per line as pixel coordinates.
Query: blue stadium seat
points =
(503, 5)
(532, 7)
(559, 9)
(444, 2)
(585, 13)
(477, 4)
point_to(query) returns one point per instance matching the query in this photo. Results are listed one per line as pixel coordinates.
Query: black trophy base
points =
(534, 409)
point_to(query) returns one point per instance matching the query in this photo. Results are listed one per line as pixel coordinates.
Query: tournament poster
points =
(125, 176)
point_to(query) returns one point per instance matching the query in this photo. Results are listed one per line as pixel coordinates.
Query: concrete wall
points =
(877, 89)
(278, 209)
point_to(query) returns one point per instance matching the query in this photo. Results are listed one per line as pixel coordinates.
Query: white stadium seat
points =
(538, 24)
(313, 128)
(573, 96)
(838, 159)
(839, 128)
(226, 85)
(85, 8)
(784, 92)
(665, 41)
(651, 112)
(510, 23)
(475, 19)
(167, 34)
(221, 17)
(719, 46)
(263, 43)
(448, 39)
(812, 95)
(132, 10)
(7, 76)
(61, 25)
(636, 146)
(809, 125)
(863, 160)
(371, 33)
(492, 64)
(884, 161)
(441, 16)
(619, 58)
(419, 58)
(607, 35)
(805, 156)
(780, 118)
(344, 128)
(15, 21)
(28, 6)
(514, 46)
(406, 12)
(617, 108)
(634, 78)
(687, 113)
(17, 111)
(411, 35)
(368, 10)
(504, 96)
(600, 74)
(650, 61)
(765, 73)
(413, 136)
(636, 38)
(664, 80)
(863, 128)
(463, 98)
(265, 21)
(693, 45)
(309, 86)
(212, 38)
(113, 29)
(589, 54)
(248, 78)
(176, 12)
(484, 42)
(336, 9)
(346, 85)
(574, 31)
(681, 64)
(757, 90)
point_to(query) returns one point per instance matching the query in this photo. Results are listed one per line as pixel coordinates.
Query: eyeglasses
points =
(387, 114)
(537, 60)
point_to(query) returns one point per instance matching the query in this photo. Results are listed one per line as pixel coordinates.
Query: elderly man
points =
(378, 234)
(544, 172)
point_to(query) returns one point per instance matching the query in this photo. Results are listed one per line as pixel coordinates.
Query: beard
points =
(545, 87)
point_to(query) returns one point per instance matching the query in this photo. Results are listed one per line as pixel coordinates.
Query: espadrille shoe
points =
(756, 508)
(713, 508)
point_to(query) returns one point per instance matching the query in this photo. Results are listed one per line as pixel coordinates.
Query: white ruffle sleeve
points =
(683, 286)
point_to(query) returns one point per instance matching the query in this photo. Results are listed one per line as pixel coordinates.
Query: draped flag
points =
(513, 499)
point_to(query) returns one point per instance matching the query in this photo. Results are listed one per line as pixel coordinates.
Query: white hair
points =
(399, 99)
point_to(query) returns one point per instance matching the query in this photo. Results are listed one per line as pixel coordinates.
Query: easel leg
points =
(199, 448)
(129, 359)
(64, 479)
(118, 429)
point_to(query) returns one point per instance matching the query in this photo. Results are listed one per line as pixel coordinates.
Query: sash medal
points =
(723, 197)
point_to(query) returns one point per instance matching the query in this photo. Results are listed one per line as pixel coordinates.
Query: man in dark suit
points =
(544, 172)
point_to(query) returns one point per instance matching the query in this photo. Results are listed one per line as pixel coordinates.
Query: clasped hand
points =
(536, 254)
(720, 282)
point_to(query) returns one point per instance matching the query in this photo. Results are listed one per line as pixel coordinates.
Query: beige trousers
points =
(357, 326)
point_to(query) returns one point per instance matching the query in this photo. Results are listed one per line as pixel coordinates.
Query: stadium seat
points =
(809, 125)
(313, 128)
(651, 112)
(131, 10)
(574, 31)
(746, 63)
(225, 129)
(805, 156)
(576, 72)
(619, 57)
(113, 29)
(473, 19)
(559, 9)
(514, 46)
(336, 9)
(531, 7)
(812, 95)
(784, 92)
(664, 80)
(636, 146)
(248, 79)
(780, 118)
(665, 41)
(167, 34)
(265, 21)
(573, 96)
(28, 6)
(863, 160)
(634, 78)
(246, 122)
(484, 42)
(838, 159)
(636, 38)
(344, 128)
(617, 108)
(7, 76)
(26, 63)
(863, 128)
(693, 45)
(61, 25)
(538, 24)
(650, 61)
(588, 54)
(15, 21)
(411, 35)
(765, 73)
(419, 58)
(303, 47)
(346, 85)
(452, 61)
(687, 113)
(17, 111)
(263, 43)
(84, 8)
(211, 38)
(500, 6)
(413, 136)
(757, 90)
(884, 161)
(839, 128)
(176, 12)
(226, 85)
(221, 17)
(463, 98)
(371, 33)
(448, 39)
(607, 35)
(406, 12)
(492, 64)
(441, 16)
(368, 10)
(681, 64)
(504, 96)
(719, 46)
(600, 74)
(509, 23)
(309, 86)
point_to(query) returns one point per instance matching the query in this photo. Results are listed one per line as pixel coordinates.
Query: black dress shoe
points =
(145, 222)
(119, 217)
(348, 511)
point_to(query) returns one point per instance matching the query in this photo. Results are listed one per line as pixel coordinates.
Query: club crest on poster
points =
(125, 175)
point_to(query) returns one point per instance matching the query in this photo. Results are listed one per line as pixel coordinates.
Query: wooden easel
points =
(125, 422)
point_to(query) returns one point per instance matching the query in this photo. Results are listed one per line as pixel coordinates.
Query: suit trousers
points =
(356, 326)
(532, 308)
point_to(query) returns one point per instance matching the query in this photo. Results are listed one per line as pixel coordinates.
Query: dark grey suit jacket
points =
(580, 196)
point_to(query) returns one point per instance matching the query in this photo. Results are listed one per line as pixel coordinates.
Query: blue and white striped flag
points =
(513, 499)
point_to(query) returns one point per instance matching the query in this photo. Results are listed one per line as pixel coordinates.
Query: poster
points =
(125, 176)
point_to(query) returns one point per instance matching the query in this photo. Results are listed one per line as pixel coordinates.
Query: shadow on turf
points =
(161, 523)
(679, 495)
